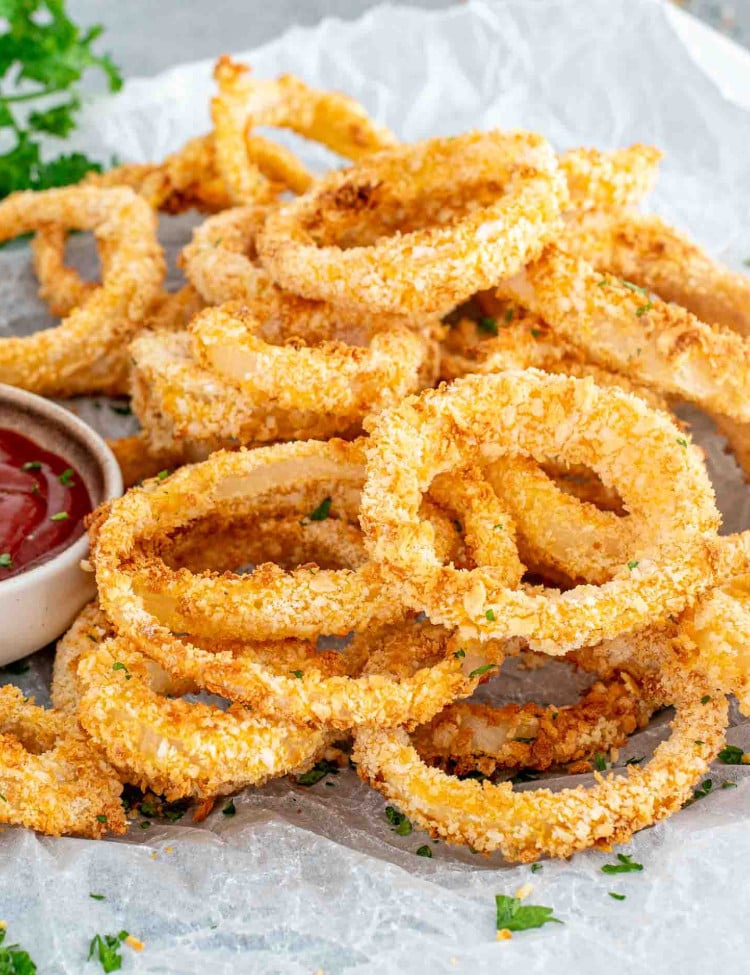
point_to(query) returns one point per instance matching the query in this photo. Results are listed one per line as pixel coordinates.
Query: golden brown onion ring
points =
(420, 228)
(52, 779)
(75, 357)
(536, 414)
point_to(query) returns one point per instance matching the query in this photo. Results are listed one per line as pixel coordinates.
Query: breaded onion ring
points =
(620, 327)
(536, 414)
(178, 747)
(467, 737)
(419, 228)
(619, 178)
(75, 357)
(333, 119)
(51, 777)
(644, 249)
(526, 825)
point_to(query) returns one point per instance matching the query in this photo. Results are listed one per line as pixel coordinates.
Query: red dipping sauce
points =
(43, 502)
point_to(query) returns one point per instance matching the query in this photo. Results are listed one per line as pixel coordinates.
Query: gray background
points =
(147, 36)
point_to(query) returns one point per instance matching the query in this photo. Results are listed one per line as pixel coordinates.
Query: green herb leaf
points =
(101, 818)
(644, 309)
(508, 316)
(731, 755)
(482, 670)
(705, 699)
(121, 409)
(616, 897)
(424, 851)
(633, 565)
(322, 511)
(514, 915)
(97, 897)
(105, 948)
(600, 762)
(317, 772)
(32, 465)
(488, 325)
(682, 441)
(703, 790)
(536, 867)
(119, 665)
(13, 959)
(162, 475)
(60, 516)
(66, 478)
(490, 615)
(625, 864)
(229, 809)
(401, 824)
(633, 287)
(459, 654)
(6, 562)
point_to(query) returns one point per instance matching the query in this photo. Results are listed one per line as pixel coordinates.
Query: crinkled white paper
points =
(313, 880)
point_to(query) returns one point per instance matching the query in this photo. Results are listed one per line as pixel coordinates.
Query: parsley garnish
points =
(32, 465)
(643, 309)
(6, 562)
(634, 761)
(47, 54)
(297, 673)
(514, 915)
(490, 615)
(60, 516)
(162, 475)
(536, 332)
(731, 755)
(229, 809)
(401, 824)
(424, 851)
(508, 316)
(702, 791)
(105, 948)
(322, 511)
(317, 772)
(118, 665)
(633, 287)
(682, 441)
(616, 897)
(481, 670)
(705, 699)
(626, 864)
(729, 784)
(603, 283)
(14, 960)
(97, 897)
(632, 565)
(536, 867)
(459, 653)
(101, 818)
(66, 478)
(600, 762)
(488, 325)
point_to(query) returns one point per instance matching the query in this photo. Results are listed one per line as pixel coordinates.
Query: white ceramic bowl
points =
(38, 605)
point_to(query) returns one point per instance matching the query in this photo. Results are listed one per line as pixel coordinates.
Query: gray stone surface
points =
(146, 36)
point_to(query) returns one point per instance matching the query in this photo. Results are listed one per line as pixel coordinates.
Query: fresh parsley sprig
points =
(43, 56)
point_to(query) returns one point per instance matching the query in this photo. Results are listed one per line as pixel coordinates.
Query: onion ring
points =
(419, 228)
(74, 357)
(530, 413)
(619, 178)
(51, 777)
(525, 825)
(333, 119)
(620, 327)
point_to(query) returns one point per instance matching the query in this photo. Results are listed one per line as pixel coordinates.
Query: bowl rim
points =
(99, 450)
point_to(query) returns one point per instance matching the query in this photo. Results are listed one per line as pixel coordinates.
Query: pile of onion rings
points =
(402, 421)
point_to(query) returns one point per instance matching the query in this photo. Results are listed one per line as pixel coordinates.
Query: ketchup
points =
(43, 502)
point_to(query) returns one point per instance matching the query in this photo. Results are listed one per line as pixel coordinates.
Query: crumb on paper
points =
(504, 935)
(135, 943)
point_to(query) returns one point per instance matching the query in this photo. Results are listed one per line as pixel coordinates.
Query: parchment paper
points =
(314, 880)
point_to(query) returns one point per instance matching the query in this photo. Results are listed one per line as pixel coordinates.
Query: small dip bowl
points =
(38, 605)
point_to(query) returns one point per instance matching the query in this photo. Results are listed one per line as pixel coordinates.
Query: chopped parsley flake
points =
(616, 897)
(682, 441)
(702, 791)
(66, 478)
(162, 475)
(625, 864)
(297, 673)
(488, 325)
(424, 851)
(508, 316)
(643, 309)
(705, 699)
(118, 665)
(101, 818)
(632, 565)
(729, 784)
(481, 670)
(459, 654)
(121, 409)
(600, 762)
(229, 809)
(97, 897)
(634, 761)
(490, 615)
(322, 511)
(602, 284)
(536, 867)
(633, 287)
(536, 332)
(105, 948)
(32, 465)
(497, 528)
(318, 772)
(514, 915)
(401, 824)
(60, 516)
(731, 755)
(6, 562)
(14, 960)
